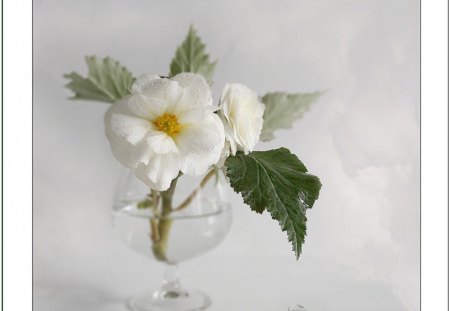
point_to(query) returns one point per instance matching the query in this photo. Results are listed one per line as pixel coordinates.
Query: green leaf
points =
(282, 109)
(191, 57)
(107, 81)
(146, 203)
(276, 181)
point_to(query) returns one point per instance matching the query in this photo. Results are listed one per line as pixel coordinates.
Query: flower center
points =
(168, 123)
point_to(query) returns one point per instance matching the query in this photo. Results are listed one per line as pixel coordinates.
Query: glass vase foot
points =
(163, 300)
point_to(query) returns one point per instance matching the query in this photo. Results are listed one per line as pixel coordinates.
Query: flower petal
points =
(200, 150)
(229, 136)
(126, 134)
(159, 172)
(146, 107)
(249, 132)
(142, 81)
(130, 155)
(196, 91)
(161, 143)
(242, 114)
(205, 135)
(193, 116)
(122, 123)
(226, 151)
(198, 164)
(160, 89)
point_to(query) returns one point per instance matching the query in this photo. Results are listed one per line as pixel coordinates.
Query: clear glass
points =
(198, 221)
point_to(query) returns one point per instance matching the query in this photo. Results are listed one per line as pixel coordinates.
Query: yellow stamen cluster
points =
(168, 123)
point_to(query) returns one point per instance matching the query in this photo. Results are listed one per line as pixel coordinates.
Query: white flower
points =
(164, 127)
(224, 155)
(241, 113)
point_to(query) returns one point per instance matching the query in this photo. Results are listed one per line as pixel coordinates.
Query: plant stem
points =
(164, 224)
(154, 230)
(189, 199)
(160, 223)
(153, 221)
(155, 199)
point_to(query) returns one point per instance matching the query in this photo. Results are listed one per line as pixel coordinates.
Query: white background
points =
(362, 139)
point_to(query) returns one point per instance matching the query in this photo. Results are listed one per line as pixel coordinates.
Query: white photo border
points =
(17, 155)
(434, 156)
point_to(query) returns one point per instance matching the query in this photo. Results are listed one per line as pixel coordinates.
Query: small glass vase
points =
(198, 221)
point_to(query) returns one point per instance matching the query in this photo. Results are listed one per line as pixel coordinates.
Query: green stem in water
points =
(164, 223)
(161, 223)
(153, 220)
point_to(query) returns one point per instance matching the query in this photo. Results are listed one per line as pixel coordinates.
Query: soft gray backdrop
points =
(362, 139)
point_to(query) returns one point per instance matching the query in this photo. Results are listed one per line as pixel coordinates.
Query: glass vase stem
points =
(171, 283)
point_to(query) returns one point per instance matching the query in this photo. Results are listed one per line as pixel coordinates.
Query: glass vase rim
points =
(175, 215)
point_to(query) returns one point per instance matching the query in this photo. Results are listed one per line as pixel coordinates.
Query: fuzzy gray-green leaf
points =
(107, 81)
(282, 109)
(276, 181)
(191, 57)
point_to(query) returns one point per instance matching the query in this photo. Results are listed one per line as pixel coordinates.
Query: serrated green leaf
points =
(276, 181)
(282, 109)
(107, 81)
(191, 57)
